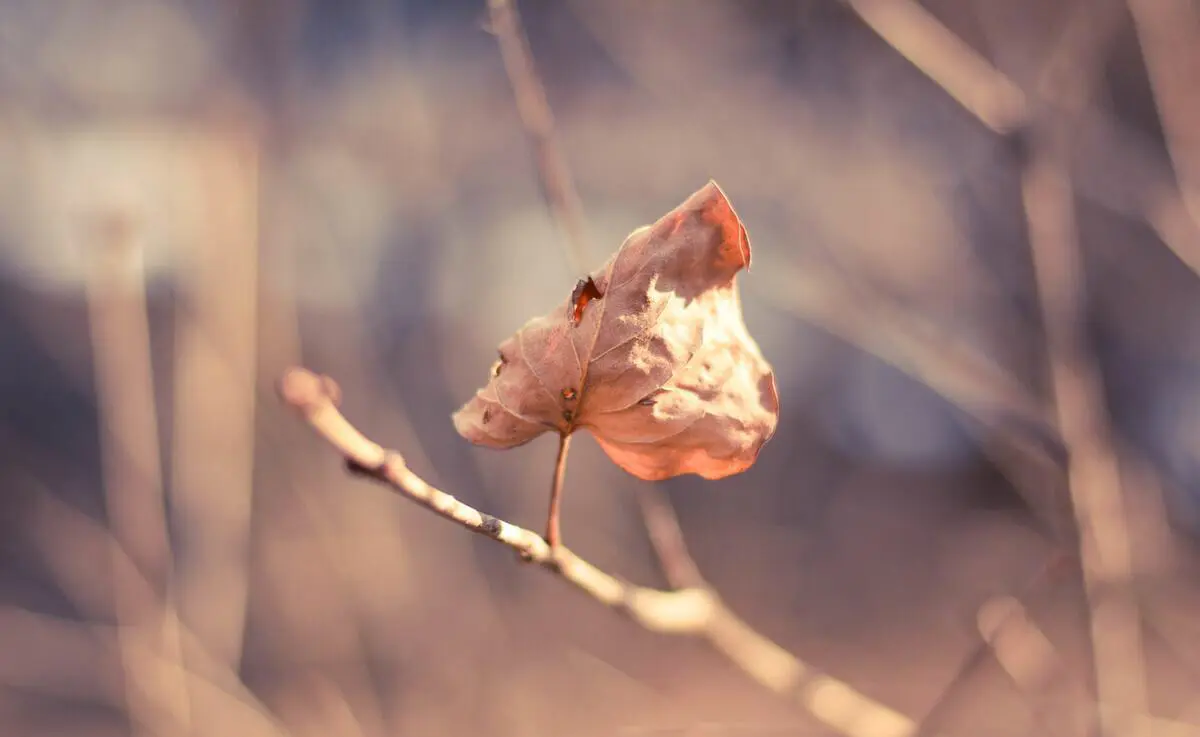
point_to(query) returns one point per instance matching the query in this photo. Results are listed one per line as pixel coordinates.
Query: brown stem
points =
(530, 95)
(553, 527)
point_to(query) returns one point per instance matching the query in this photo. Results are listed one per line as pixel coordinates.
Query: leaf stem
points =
(553, 529)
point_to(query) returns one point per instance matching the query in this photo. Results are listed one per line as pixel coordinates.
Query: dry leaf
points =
(650, 353)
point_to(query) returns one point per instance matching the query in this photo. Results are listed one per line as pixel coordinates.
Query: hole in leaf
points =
(569, 394)
(585, 291)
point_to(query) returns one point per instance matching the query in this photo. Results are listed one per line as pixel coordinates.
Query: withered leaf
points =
(651, 355)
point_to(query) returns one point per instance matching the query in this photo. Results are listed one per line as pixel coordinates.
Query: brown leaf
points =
(649, 352)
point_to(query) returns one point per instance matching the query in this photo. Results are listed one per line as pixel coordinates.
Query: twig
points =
(554, 175)
(695, 610)
(316, 398)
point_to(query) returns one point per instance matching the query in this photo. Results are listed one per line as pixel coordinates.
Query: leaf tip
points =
(717, 211)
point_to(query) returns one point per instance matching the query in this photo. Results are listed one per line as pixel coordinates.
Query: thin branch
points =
(695, 610)
(316, 399)
(554, 174)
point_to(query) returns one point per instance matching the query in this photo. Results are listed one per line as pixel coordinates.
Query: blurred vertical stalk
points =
(553, 173)
(1093, 470)
(1093, 474)
(212, 458)
(148, 631)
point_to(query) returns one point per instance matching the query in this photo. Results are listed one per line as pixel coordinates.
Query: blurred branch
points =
(693, 610)
(1059, 701)
(1031, 660)
(214, 394)
(666, 536)
(1093, 478)
(947, 60)
(1013, 425)
(155, 689)
(1093, 475)
(833, 703)
(69, 543)
(554, 174)
(1169, 32)
(1003, 107)
(64, 640)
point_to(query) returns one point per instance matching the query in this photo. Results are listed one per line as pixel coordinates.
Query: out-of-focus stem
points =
(215, 354)
(155, 687)
(1093, 475)
(554, 174)
(1169, 32)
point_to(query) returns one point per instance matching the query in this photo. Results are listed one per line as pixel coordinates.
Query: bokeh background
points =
(195, 194)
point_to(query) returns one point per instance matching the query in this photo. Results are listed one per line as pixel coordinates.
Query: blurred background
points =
(195, 194)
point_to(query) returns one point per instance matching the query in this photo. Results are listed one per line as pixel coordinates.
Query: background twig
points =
(554, 175)
(1093, 474)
